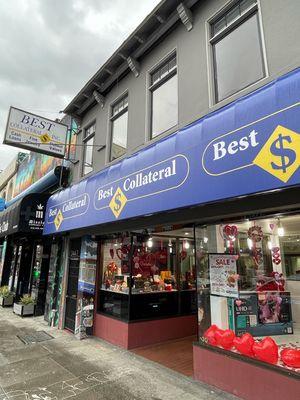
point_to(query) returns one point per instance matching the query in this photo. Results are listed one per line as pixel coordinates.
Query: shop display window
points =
(248, 289)
(148, 275)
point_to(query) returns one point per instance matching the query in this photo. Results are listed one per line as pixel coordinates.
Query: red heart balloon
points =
(266, 350)
(209, 334)
(291, 357)
(244, 344)
(225, 338)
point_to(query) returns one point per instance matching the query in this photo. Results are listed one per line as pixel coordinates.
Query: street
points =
(64, 367)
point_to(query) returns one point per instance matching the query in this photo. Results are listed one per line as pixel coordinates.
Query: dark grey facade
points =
(185, 29)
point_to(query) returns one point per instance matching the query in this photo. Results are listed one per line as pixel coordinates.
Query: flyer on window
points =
(223, 275)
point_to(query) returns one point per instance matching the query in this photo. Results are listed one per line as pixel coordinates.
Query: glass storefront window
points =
(248, 288)
(148, 275)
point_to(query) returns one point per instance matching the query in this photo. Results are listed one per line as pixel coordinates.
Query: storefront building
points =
(212, 208)
(24, 251)
(183, 213)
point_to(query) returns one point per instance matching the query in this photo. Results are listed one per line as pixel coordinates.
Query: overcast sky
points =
(50, 48)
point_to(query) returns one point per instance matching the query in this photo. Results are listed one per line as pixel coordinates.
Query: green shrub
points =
(26, 299)
(5, 292)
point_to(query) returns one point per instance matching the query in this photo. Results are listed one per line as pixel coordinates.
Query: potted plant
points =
(6, 296)
(25, 306)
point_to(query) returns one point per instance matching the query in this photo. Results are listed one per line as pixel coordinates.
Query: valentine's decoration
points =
(230, 233)
(209, 334)
(224, 338)
(276, 258)
(244, 344)
(273, 283)
(291, 357)
(266, 350)
(255, 234)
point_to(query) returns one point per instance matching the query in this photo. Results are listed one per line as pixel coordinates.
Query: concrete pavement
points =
(66, 368)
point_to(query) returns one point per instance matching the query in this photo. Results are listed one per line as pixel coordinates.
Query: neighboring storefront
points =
(212, 209)
(24, 251)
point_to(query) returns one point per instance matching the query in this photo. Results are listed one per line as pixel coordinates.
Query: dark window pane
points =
(88, 156)
(238, 59)
(165, 106)
(219, 25)
(90, 130)
(119, 136)
(232, 14)
(246, 4)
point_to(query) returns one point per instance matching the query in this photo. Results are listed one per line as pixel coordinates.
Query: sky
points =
(51, 48)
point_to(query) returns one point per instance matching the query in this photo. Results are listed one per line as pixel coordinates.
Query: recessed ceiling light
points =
(186, 233)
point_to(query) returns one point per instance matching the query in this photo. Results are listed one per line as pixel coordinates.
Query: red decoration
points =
(209, 334)
(162, 256)
(225, 338)
(255, 233)
(230, 233)
(183, 255)
(291, 357)
(244, 344)
(276, 258)
(266, 350)
(122, 252)
(111, 252)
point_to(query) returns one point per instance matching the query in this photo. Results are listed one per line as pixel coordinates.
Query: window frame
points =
(254, 9)
(86, 138)
(154, 86)
(113, 117)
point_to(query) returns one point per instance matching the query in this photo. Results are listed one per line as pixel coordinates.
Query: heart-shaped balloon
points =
(272, 226)
(209, 334)
(238, 303)
(291, 357)
(266, 350)
(224, 338)
(244, 344)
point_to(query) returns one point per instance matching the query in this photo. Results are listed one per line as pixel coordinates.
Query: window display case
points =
(147, 276)
(248, 289)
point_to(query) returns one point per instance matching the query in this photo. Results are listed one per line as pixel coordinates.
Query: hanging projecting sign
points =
(32, 132)
(250, 146)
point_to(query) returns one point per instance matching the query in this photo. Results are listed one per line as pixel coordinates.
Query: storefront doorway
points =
(147, 294)
(72, 286)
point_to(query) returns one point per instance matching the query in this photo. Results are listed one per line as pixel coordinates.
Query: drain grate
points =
(35, 337)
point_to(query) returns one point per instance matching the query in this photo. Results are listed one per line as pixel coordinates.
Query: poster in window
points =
(223, 275)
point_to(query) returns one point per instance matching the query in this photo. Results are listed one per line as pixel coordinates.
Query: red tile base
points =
(137, 334)
(245, 380)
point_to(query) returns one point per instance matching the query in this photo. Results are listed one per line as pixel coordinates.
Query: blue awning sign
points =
(252, 145)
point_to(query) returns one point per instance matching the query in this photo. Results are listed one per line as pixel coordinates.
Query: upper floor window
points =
(119, 122)
(88, 146)
(164, 97)
(237, 49)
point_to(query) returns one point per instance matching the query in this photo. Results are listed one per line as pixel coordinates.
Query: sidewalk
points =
(65, 368)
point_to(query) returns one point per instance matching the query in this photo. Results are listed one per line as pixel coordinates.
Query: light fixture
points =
(170, 243)
(205, 239)
(249, 243)
(170, 250)
(280, 229)
(150, 242)
(186, 245)
(186, 233)
(270, 245)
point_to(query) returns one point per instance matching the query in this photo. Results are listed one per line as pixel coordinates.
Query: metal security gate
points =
(72, 287)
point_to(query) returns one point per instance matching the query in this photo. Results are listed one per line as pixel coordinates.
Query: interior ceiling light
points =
(150, 242)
